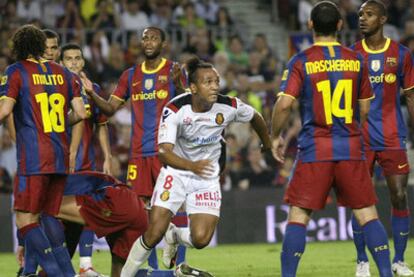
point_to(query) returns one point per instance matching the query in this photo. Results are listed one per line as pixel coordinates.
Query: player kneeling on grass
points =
(109, 208)
(191, 148)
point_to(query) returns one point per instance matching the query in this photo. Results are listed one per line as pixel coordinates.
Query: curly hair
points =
(28, 41)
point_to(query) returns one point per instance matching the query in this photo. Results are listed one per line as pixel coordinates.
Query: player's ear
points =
(339, 25)
(193, 88)
(383, 19)
(310, 24)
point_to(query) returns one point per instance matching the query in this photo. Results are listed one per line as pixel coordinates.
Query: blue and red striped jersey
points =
(89, 183)
(149, 91)
(390, 69)
(85, 157)
(42, 92)
(328, 80)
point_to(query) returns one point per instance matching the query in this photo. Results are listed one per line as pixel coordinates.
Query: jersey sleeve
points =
(99, 117)
(76, 87)
(365, 89)
(167, 132)
(292, 79)
(244, 112)
(122, 92)
(408, 71)
(10, 84)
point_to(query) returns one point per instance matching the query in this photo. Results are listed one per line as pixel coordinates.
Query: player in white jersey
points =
(190, 146)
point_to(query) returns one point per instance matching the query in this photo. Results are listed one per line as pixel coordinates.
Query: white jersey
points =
(198, 136)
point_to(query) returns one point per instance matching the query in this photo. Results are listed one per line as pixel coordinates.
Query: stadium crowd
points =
(108, 31)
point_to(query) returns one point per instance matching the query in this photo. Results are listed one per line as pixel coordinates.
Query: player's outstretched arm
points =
(202, 168)
(280, 116)
(259, 125)
(107, 107)
(6, 107)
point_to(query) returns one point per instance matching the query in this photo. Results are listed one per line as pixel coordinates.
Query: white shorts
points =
(175, 187)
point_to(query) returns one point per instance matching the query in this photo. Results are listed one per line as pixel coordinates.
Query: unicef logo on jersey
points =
(144, 96)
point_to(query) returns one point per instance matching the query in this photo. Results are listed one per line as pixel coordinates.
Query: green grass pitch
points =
(256, 260)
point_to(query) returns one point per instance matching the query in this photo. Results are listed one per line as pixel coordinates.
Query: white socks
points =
(85, 262)
(137, 256)
(184, 237)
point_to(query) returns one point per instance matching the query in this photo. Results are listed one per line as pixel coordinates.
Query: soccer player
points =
(52, 45)
(109, 208)
(390, 68)
(149, 86)
(191, 148)
(39, 94)
(332, 86)
(72, 58)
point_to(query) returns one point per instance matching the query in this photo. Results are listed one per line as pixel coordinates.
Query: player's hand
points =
(203, 168)
(86, 83)
(278, 149)
(20, 256)
(268, 156)
(107, 166)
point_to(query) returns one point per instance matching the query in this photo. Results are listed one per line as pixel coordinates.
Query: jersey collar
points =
(366, 48)
(146, 71)
(327, 43)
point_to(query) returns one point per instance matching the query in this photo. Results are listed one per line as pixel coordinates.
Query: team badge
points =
(375, 65)
(149, 83)
(3, 80)
(391, 61)
(390, 78)
(162, 94)
(219, 118)
(285, 75)
(165, 195)
(162, 79)
(106, 212)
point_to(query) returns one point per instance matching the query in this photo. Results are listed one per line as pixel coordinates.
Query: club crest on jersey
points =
(165, 195)
(219, 118)
(3, 80)
(375, 65)
(162, 79)
(149, 83)
(391, 61)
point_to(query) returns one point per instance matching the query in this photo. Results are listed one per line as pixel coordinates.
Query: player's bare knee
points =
(200, 239)
(399, 199)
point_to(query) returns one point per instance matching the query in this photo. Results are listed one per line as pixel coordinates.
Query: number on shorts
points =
(168, 182)
(132, 172)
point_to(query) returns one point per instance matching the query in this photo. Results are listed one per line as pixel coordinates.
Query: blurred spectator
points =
(349, 14)
(207, 9)
(256, 173)
(11, 18)
(161, 15)
(239, 59)
(104, 18)
(115, 65)
(70, 20)
(29, 9)
(51, 12)
(133, 19)
(221, 63)
(244, 92)
(397, 12)
(87, 9)
(190, 21)
(133, 50)
(234, 161)
(304, 10)
(97, 50)
(200, 44)
(224, 27)
(4, 62)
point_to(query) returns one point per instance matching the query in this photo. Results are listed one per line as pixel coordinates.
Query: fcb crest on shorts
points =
(165, 195)
(219, 118)
(375, 65)
(149, 83)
